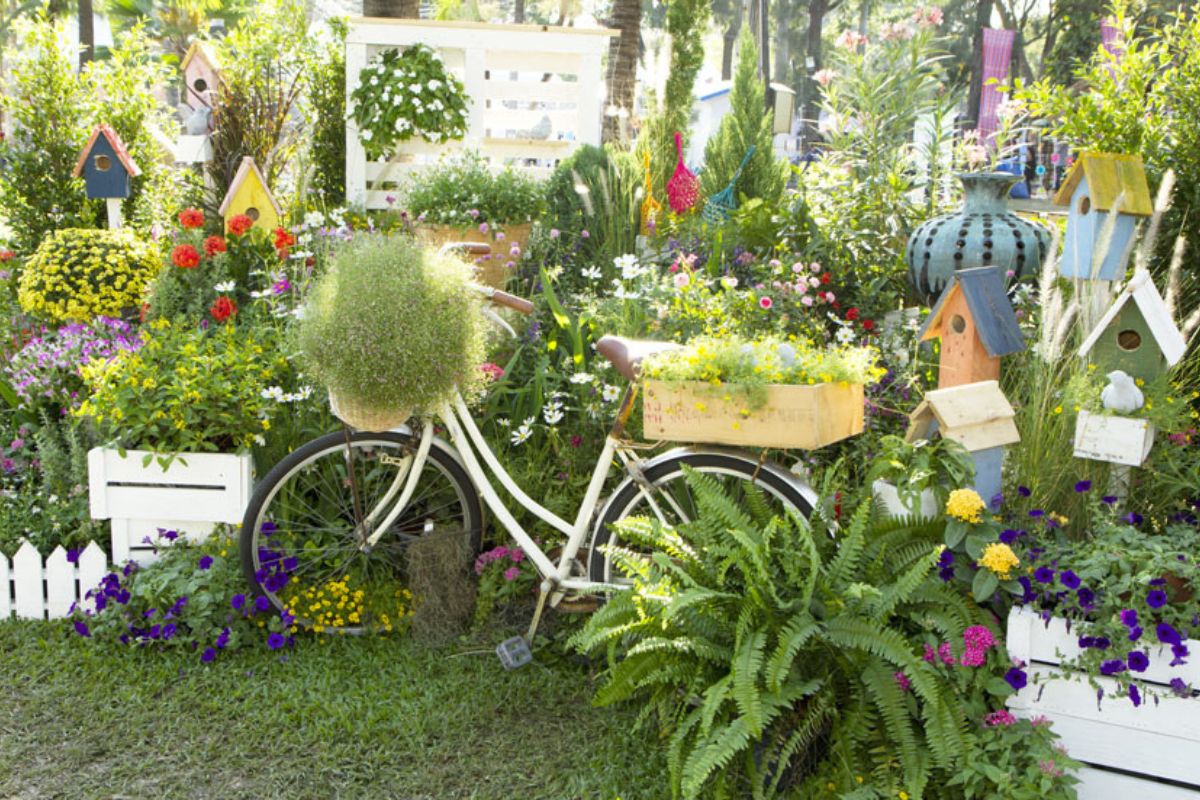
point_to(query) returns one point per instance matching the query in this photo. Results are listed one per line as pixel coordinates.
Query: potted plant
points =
(462, 199)
(916, 477)
(764, 393)
(392, 329)
(177, 418)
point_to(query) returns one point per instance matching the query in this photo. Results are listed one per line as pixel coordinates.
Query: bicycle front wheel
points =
(674, 503)
(304, 539)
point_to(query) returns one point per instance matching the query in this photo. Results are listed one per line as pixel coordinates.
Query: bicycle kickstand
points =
(515, 652)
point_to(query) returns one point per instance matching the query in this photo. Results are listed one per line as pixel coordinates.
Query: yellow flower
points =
(1058, 409)
(1000, 559)
(965, 505)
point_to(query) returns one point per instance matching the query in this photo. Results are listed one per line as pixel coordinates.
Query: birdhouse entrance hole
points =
(252, 213)
(1085, 205)
(200, 85)
(1129, 340)
(958, 324)
(103, 163)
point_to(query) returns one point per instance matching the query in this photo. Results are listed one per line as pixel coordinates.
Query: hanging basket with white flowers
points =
(406, 94)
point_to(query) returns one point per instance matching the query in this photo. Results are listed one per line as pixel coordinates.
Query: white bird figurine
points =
(1121, 394)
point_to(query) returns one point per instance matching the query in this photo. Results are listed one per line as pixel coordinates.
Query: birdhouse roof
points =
(1154, 310)
(1109, 175)
(202, 51)
(248, 171)
(117, 145)
(986, 297)
(977, 415)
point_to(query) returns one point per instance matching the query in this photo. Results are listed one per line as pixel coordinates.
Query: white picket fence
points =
(33, 589)
(1148, 752)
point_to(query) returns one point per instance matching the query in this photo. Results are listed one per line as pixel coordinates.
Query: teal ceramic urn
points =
(983, 234)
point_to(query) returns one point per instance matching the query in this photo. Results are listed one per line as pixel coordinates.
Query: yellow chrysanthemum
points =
(1000, 559)
(965, 505)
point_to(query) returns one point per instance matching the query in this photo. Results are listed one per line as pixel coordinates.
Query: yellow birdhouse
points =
(248, 194)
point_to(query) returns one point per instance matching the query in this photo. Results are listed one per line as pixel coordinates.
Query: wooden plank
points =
(559, 64)
(500, 89)
(5, 589)
(129, 536)
(193, 469)
(29, 602)
(476, 88)
(60, 584)
(356, 157)
(591, 94)
(1101, 784)
(93, 564)
(805, 417)
(1117, 440)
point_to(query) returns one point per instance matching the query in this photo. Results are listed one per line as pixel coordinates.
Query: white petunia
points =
(610, 393)
(434, 84)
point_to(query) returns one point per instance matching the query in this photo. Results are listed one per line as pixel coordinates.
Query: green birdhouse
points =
(1139, 337)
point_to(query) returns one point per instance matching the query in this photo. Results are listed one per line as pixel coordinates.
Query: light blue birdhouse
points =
(105, 165)
(1094, 187)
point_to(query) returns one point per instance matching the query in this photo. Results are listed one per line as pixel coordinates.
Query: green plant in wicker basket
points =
(402, 95)
(393, 327)
(464, 191)
(80, 273)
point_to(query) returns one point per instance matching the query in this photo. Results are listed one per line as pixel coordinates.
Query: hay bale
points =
(443, 587)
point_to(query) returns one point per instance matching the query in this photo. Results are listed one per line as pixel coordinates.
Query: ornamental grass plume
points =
(965, 505)
(392, 326)
(1000, 559)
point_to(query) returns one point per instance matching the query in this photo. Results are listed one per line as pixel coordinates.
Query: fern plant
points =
(775, 631)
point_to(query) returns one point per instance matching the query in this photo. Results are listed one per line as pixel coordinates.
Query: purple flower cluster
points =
(46, 370)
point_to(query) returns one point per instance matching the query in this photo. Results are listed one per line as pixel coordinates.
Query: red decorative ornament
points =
(683, 190)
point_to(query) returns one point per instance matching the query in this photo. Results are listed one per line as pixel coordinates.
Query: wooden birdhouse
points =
(977, 325)
(105, 165)
(248, 194)
(1091, 191)
(1139, 338)
(201, 75)
(976, 415)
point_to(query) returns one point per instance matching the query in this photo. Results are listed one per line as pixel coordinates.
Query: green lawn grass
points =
(344, 718)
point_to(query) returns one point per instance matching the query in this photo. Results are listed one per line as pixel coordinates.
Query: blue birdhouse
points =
(1093, 187)
(105, 165)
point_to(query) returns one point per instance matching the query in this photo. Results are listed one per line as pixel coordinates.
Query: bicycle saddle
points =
(627, 354)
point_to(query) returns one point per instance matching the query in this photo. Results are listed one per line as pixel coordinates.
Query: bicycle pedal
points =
(514, 652)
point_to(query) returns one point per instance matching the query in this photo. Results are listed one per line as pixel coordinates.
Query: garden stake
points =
(722, 204)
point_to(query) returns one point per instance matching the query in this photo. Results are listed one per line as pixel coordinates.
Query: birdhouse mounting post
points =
(115, 220)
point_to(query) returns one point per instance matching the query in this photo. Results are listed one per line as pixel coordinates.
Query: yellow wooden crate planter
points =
(793, 417)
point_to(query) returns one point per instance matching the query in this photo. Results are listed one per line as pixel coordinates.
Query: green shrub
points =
(393, 326)
(596, 191)
(325, 108)
(80, 273)
(465, 191)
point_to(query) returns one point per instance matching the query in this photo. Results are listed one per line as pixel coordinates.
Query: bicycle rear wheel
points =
(303, 539)
(736, 472)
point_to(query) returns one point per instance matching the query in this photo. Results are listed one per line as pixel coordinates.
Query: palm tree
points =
(623, 54)
(396, 9)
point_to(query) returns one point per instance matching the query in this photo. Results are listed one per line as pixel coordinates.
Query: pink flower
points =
(1048, 768)
(576, 440)
(797, 268)
(851, 40)
(765, 302)
(584, 234)
(902, 681)
(825, 76)
(945, 653)
(483, 227)
(517, 555)
(806, 300)
(512, 573)
(473, 213)
(514, 251)
(928, 653)
(499, 236)
(896, 32)
(1001, 717)
(554, 233)
(681, 280)
(928, 16)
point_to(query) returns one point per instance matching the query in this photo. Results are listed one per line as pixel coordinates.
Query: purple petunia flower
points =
(1135, 695)
(238, 601)
(208, 655)
(1129, 618)
(1016, 678)
(81, 628)
(1109, 499)
(1135, 633)
(1133, 518)
(1086, 597)
(261, 603)
(1069, 579)
(1156, 598)
(1024, 491)
(1083, 486)
(222, 639)
(73, 556)
(170, 536)
(168, 631)
(1043, 575)
(1180, 652)
(1167, 634)
(1138, 661)
(275, 641)
(1180, 688)
(1037, 512)
(1008, 535)
(206, 562)
(1112, 667)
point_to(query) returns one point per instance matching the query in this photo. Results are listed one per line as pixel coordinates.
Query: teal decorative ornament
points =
(983, 234)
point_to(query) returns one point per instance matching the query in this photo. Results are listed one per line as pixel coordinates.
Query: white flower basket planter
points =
(194, 493)
(1148, 752)
(889, 497)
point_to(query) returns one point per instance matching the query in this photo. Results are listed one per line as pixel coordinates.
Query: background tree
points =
(623, 52)
(396, 9)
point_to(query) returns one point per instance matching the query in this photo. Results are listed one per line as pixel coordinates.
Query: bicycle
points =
(345, 506)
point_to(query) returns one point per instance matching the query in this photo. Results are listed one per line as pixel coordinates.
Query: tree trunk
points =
(983, 18)
(87, 33)
(519, 12)
(783, 20)
(817, 9)
(622, 68)
(731, 36)
(396, 9)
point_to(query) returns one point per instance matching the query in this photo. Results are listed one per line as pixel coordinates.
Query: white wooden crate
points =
(515, 76)
(194, 493)
(1151, 750)
(33, 589)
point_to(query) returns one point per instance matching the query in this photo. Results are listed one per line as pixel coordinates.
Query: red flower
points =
(191, 218)
(868, 324)
(240, 224)
(214, 245)
(852, 314)
(826, 277)
(7, 255)
(223, 308)
(283, 239)
(185, 256)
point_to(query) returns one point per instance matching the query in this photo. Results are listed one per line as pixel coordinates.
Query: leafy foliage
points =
(464, 190)
(765, 626)
(325, 108)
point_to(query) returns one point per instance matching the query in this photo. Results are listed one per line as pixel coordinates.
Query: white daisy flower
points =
(592, 273)
(226, 286)
(610, 393)
(581, 377)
